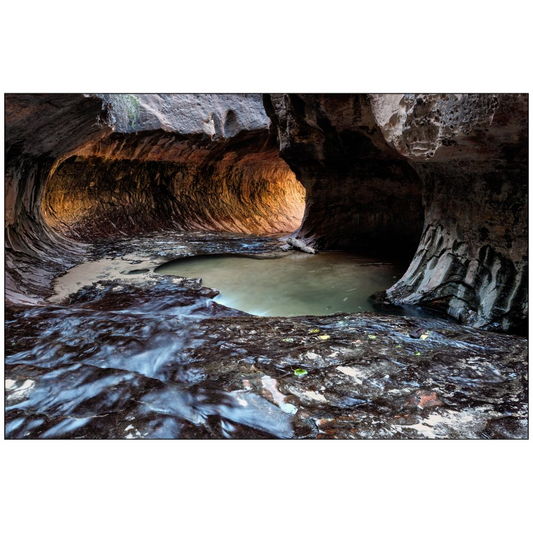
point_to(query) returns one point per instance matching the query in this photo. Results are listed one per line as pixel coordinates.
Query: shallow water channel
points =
(293, 285)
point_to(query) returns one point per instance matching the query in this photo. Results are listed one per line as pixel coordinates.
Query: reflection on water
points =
(293, 285)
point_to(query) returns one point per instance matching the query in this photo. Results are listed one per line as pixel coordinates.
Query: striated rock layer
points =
(369, 163)
(119, 187)
(177, 161)
(40, 131)
(471, 152)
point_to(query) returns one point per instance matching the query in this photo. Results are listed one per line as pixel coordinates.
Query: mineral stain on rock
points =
(103, 190)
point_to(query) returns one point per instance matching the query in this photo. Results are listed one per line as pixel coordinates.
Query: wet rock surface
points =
(157, 358)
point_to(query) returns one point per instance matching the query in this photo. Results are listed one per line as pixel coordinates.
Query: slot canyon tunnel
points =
(132, 181)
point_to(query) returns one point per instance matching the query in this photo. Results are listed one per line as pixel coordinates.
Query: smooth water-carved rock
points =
(158, 358)
(118, 352)
(91, 197)
(162, 168)
(137, 163)
(361, 194)
(40, 131)
(471, 152)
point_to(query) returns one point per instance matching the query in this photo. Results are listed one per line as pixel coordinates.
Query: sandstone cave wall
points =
(89, 198)
(40, 130)
(472, 153)
(442, 178)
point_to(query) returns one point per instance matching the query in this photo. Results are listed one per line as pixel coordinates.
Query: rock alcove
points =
(101, 189)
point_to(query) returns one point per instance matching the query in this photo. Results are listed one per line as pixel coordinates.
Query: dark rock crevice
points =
(361, 194)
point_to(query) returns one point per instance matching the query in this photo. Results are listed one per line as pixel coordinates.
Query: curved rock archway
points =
(85, 168)
(109, 190)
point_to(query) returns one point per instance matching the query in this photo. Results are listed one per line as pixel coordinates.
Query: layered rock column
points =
(40, 130)
(471, 152)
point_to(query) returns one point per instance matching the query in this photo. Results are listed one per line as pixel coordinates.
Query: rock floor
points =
(150, 356)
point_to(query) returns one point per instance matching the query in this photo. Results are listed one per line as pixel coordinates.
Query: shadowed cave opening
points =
(92, 198)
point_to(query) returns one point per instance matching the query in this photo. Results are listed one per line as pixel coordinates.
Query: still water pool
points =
(293, 285)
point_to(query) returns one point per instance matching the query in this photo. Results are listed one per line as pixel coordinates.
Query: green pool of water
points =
(297, 284)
